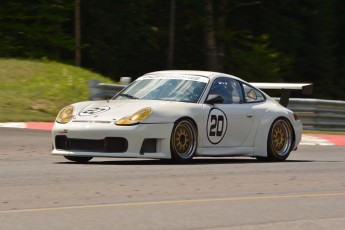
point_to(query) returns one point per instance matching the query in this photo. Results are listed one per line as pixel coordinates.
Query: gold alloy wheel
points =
(184, 139)
(281, 137)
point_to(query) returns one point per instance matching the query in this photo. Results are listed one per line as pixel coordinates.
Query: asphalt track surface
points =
(41, 191)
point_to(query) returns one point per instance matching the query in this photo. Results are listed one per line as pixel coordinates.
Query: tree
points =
(339, 50)
(259, 40)
(171, 47)
(77, 33)
(35, 29)
(236, 49)
(117, 38)
(303, 31)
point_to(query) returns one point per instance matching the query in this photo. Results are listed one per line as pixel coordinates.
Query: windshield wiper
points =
(128, 96)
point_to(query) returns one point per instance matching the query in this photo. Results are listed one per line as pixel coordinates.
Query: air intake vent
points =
(149, 146)
(109, 144)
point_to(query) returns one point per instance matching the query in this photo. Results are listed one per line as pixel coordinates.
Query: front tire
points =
(78, 159)
(183, 141)
(280, 140)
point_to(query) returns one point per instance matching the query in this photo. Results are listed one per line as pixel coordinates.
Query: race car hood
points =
(162, 111)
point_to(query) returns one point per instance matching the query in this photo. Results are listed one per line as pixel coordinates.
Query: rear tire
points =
(78, 159)
(183, 141)
(280, 140)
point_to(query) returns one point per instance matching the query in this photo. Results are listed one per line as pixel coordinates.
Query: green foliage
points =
(37, 90)
(118, 39)
(35, 29)
(255, 60)
(339, 49)
(266, 40)
(304, 31)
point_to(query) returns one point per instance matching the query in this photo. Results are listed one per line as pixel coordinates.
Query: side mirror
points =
(214, 99)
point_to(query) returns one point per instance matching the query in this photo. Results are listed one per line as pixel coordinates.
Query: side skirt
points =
(235, 151)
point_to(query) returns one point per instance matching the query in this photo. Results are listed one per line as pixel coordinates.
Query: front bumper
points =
(136, 137)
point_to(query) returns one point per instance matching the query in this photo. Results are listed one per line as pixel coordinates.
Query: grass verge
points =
(37, 90)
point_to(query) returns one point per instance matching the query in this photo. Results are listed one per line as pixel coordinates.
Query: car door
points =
(231, 122)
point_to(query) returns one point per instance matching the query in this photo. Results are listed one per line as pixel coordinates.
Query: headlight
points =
(65, 115)
(136, 117)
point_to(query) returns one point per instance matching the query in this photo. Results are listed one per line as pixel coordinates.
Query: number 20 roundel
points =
(216, 125)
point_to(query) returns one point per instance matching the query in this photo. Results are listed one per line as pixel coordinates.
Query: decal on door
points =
(94, 111)
(217, 124)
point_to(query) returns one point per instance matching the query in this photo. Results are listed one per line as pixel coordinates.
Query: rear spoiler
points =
(307, 88)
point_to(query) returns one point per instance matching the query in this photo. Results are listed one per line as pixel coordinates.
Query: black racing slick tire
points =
(183, 141)
(78, 159)
(280, 140)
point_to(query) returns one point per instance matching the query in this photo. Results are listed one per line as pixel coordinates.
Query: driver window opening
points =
(227, 88)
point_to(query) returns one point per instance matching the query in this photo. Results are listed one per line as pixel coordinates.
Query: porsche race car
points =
(179, 115)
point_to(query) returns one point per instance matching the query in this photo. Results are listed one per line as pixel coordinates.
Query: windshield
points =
(175, 88)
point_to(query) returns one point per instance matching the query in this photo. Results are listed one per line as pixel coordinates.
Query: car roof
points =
(208, 74)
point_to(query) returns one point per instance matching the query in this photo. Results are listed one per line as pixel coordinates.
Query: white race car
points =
(178, 115)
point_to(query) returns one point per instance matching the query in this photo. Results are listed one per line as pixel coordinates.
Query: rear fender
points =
(260, 143)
